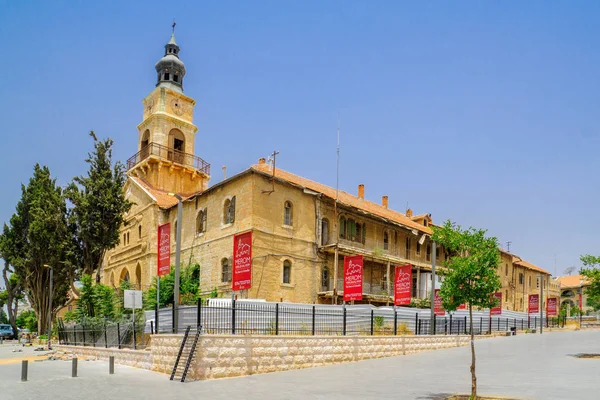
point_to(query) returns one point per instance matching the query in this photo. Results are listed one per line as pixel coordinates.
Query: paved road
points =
(525, 366)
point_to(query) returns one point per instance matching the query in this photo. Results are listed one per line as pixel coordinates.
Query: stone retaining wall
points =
(223, 356)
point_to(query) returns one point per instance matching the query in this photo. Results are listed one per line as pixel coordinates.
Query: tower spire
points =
(170, 68)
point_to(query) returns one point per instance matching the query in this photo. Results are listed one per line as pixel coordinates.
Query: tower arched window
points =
(287, 213)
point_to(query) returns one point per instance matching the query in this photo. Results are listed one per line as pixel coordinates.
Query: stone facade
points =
(225, 356)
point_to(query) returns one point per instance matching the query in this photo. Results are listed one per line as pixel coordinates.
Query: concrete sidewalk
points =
(525, 366)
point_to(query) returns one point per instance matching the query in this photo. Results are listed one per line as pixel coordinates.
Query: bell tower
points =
(165, 157)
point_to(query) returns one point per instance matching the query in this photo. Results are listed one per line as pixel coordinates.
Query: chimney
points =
(384, 201)
(361, 191)
(262, 160)
(408, 212)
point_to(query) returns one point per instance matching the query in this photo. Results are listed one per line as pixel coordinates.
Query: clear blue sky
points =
(482, 112)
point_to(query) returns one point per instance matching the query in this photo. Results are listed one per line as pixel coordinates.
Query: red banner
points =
(438, 309)
(498, 309)
(403, 285)
(534, 303)
(164, 250)
(242, 262)
(551, 306)
(462, 307)
(353, 278)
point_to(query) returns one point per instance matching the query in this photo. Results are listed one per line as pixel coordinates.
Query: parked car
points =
(6, 331)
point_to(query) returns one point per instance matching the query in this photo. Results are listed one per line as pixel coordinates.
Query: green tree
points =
(189, 286)
(27, 320)
(39, 234)
(99, 205)
(12, 294)
(471, 276)
(95, 301)
(592, 274)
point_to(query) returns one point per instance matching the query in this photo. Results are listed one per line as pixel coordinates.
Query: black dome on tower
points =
(170, 68)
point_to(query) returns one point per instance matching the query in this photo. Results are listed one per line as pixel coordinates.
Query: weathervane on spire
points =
(174, 23)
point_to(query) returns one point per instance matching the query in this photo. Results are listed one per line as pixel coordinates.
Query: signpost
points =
(353, 278)
(402, 285)
(133, 299)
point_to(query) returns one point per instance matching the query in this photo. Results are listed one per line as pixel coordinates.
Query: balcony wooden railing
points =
(178, 157)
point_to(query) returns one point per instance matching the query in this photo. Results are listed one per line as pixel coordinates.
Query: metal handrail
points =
(176, 156)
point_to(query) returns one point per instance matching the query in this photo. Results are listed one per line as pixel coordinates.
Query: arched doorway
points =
(124, 276)
(176, 146)
(138, 276)
(144, 149)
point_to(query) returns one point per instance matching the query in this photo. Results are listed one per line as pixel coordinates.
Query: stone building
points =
(572, 293)
(301, 229)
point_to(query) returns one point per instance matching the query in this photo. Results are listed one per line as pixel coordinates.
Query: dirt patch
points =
(478, 398)
(587, 355)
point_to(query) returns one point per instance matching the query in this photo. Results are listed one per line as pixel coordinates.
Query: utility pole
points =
(177, 261)
(541, 303)
(433, 255)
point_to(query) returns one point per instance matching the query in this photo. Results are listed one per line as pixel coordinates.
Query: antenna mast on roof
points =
(508, 246)
(272, 158)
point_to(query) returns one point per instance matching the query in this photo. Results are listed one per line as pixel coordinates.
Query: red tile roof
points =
(162, 197)
(343, 197)
(572, 281)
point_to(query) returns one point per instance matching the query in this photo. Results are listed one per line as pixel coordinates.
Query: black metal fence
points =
(256, 318)
(249, 318)
(108, 334)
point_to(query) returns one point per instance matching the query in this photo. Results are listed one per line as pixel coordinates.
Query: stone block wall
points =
(225, 356)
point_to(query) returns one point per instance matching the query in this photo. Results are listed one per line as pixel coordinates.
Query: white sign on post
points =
(133, 299)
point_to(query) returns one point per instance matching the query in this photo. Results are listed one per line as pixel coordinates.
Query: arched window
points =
(325, 279)
(176, 146)
(324, 231)
(138, 276)
(225, 270)
(201, 221)
(287, 271)
(229, 211)
(342, 227)
(144, 144)
(386, 241)
(287, 213)
(125, 275)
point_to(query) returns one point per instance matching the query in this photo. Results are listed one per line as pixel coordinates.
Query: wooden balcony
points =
(166, 153)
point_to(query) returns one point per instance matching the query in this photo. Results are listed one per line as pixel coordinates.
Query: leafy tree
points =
(189, 286)
(12, 294)
(99, 205)
(592, 274)
(39, 234)
(27, 320)
(3, 317)
(471, 276)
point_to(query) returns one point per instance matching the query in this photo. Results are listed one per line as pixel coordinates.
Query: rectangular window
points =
(521, 279)
(225, 271)
(506, 269)
(428, 252)
(418, 248)
(407, 247)
(438, 251)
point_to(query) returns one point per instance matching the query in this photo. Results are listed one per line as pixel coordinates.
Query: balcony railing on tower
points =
(164, 152)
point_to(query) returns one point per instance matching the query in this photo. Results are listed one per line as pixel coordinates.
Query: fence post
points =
(233, 316)
(465, 324)
(451, 324)
(535, 322)
(498, 324)
(134, 338)
(528, 322)
(313, 320)
(156, 312)
(74, 336)
(344, 323)
(490, 325)
(419, 329)
(174, 328)
(118, 335)
(199, 315)
(434, 330)
(396, 322)
(276, 318)
(445, 326)
(481, 325)
(105, 335)
(515, 324)
(372, 317)
(83, 330)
